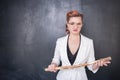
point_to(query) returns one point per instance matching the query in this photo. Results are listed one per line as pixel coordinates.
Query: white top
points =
(85, 54)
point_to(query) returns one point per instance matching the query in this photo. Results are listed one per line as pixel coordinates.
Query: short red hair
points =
(73, 13)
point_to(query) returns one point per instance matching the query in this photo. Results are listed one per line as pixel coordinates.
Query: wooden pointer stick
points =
(80, 65)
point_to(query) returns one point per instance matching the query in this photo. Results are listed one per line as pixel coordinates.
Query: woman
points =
(74, 49)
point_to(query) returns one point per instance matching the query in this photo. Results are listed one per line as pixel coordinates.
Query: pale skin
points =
(74, 26)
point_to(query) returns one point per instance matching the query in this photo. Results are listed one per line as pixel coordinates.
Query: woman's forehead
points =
(75, 19)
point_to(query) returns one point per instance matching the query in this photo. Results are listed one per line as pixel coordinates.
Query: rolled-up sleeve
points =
(91, 57)
(56, 58)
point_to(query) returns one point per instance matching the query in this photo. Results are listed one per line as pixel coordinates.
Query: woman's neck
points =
(74, 37)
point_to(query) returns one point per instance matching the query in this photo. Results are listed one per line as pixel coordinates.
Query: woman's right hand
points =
(52, 67)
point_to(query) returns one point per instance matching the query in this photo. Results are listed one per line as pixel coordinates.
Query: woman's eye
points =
(79, 24)
(71, 23)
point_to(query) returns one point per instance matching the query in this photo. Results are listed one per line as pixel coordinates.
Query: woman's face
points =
(75, 25)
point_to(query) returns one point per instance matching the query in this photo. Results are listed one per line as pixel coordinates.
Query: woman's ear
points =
(67, 23)
(67, 31)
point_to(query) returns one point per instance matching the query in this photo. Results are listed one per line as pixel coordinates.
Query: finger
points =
(108, 62)
(105, 64)
(102, 62)
(51, 68)
(55, 70)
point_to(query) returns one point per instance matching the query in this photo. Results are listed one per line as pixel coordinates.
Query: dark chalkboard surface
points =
(29, 30)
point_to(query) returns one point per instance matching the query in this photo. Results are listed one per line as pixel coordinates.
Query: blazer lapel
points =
(64, 50)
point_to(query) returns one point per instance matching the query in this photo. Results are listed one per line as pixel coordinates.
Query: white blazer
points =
(85, 54)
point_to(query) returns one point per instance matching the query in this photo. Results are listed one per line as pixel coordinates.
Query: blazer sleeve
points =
(56, 58)
(91, 57)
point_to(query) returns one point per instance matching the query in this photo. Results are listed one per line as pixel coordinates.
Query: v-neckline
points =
(77, 50)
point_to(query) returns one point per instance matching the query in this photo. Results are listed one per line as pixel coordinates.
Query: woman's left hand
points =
(100, 63)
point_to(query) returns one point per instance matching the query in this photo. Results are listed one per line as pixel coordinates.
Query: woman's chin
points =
(75, 33)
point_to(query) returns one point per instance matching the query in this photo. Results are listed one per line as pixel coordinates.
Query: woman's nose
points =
(75, 26)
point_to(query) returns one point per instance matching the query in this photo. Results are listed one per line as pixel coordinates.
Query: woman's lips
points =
(75, 30)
